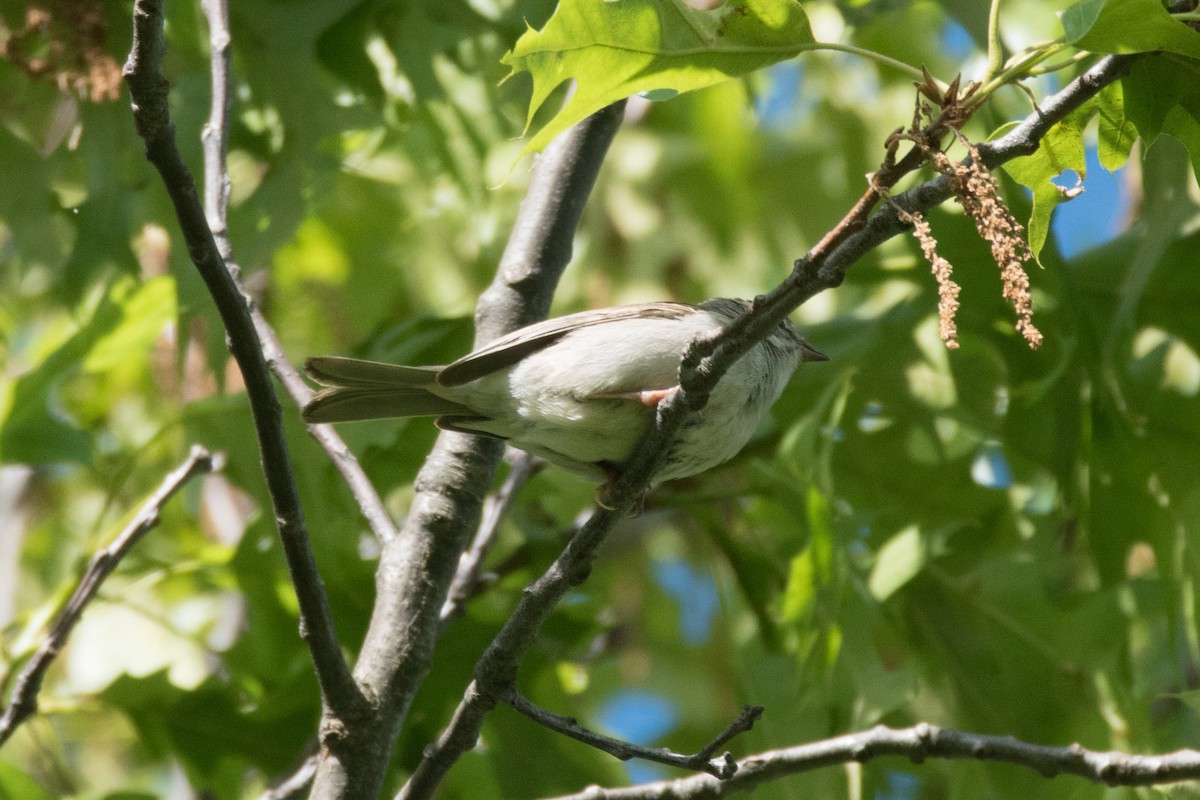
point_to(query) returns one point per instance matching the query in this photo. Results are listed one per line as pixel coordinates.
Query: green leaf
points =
(122, 326)
(1127, 26)
(16, 785)
(1163, 96)
(1116, 132)
(209, 726)
(899, 561)
(144, 313)
(617, 49)
(1061, 149)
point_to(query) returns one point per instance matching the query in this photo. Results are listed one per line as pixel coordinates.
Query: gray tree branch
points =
(24, 700)
(149, 91)
(918, 743)
(722, 767)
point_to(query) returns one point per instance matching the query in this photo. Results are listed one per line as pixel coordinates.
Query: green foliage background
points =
(865, 570)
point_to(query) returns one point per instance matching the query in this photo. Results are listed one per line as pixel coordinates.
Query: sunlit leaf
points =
(614, 50)
(1059, 151)
(1128, 26)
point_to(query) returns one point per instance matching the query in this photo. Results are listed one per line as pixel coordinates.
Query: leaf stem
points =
(1019, 66)
(870, 55)
(995, 61)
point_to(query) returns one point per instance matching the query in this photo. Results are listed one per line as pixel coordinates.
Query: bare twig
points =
(722, 767)
(295, 785)
(467, 578)
(917, 743)
(149, 90)
(416, 569)
(216, 206)
(24, 701)
(744, 722)
(215, 135)
(824, 267)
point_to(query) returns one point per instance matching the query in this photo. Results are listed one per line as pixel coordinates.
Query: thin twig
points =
(744, 722)
(467, 577)
(149, 90)
(215, 135)
(295, 785)
(824, 267)
(216, 204)
(24, 701)
(722, 767)
(918, 743)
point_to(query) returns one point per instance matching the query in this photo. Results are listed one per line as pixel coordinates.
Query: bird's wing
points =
(508, 350)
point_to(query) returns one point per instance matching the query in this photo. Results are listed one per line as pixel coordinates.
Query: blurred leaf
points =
(897, 562)
(122, 326)
(208, 726)
(1127, 26)
(16, 785)
(1162, 95)
(614, 50)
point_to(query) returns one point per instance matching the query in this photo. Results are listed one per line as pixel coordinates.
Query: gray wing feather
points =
(508, 350)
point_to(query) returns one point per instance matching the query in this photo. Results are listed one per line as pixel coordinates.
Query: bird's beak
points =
(810, 353)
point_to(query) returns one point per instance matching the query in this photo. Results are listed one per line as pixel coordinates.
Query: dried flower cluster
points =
(975, 188)
(942, 271)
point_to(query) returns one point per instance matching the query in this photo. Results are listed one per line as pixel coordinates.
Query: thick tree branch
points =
(722, 767)
(918, 743)
(417, 567)
(216, 208)
(703, 365)
(24, 701)
(149, 90)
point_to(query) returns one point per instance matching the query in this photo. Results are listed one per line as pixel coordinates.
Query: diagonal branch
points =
(918, 743)
(722, 767)
(24, 701)
(703, 365)
(216, 208)
(149, 91)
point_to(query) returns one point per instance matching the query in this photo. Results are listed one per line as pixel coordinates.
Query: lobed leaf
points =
(1059, 151)
(659, 47)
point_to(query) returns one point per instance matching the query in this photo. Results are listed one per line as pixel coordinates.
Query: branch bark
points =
(149, 91)
(417, 567)
(24, 701)
(918, 743)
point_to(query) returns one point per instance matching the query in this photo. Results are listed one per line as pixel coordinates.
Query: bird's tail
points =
(371, 390)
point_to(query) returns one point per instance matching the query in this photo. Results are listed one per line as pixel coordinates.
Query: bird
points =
(580, 390)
